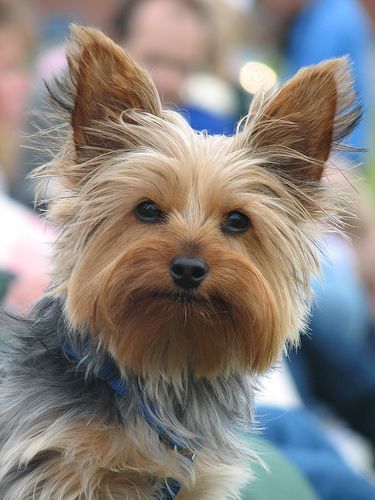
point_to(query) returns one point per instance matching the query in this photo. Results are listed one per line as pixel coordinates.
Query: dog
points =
(181, 271)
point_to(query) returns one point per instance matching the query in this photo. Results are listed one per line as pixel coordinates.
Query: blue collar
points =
(110, 374)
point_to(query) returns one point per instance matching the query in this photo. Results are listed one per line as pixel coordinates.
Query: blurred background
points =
(208, 58)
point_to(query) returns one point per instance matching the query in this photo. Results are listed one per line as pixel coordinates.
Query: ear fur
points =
(296, 128)
(102, 82)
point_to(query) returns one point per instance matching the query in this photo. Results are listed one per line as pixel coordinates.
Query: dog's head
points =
(181, 251)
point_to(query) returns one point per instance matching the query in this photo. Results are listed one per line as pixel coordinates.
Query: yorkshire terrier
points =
(181, 271)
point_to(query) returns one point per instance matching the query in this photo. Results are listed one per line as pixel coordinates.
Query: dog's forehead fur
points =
(192, 174)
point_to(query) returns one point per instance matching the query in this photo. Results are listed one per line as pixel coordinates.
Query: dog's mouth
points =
(183, 297)
(188, 298)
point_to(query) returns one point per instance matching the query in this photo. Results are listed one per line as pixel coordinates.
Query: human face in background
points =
(170, 41)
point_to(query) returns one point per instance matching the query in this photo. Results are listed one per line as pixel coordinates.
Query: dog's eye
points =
(235, 223)
(149, 212)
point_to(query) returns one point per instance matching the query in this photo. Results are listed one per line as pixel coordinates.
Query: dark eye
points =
(235, 223)
(149, 212)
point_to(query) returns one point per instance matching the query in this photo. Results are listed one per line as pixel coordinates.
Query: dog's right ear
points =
(101, 84)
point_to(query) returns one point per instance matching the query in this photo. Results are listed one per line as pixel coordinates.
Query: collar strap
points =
(110, 374)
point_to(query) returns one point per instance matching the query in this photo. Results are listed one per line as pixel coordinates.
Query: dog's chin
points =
(169, 331)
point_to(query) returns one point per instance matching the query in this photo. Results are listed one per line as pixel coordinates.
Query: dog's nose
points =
(188, 272)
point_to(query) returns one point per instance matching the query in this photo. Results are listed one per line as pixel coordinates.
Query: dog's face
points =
(183, 252)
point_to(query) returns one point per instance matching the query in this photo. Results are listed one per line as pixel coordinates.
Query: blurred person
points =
(23, 240)
(170, 39)
(302, 440)
(346, 379)
(332, 369)
(173, 39)
(315, 30)
(16, 43)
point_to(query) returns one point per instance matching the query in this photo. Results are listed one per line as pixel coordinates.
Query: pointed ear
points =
(295, 129)
(102, 83)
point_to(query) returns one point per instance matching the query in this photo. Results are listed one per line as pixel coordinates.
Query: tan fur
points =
(112, 269)
(93, 461)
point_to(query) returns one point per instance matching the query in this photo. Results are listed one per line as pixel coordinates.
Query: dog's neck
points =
(192, 412)
(109, 373)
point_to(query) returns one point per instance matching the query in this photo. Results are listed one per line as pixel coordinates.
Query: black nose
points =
(188, 272)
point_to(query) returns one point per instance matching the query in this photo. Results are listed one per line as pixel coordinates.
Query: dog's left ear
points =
(294, 130)
(103, 82)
